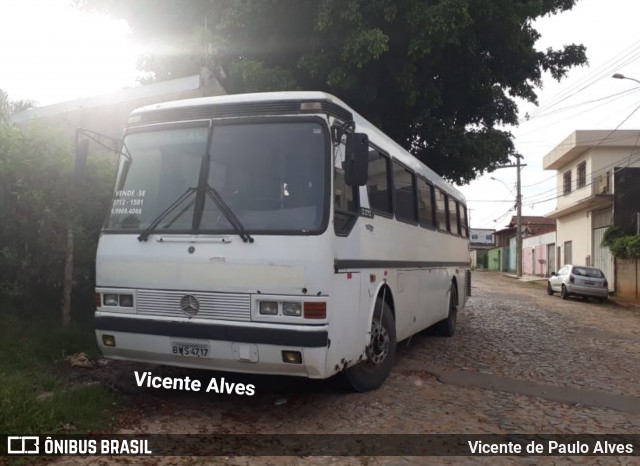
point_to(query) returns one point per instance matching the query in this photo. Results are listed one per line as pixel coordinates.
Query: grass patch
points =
(33, 399)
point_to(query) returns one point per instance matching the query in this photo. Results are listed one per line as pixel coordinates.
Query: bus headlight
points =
(292, 309)
(110, 299)
(126, 300)
(269, 308)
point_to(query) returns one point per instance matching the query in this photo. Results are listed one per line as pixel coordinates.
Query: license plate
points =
(589, 283)
(190, 350)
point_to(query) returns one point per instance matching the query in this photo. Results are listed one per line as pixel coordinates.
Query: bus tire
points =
(381, 353)
(447, 327)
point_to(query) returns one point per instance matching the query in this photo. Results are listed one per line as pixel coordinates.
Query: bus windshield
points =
(272, 176)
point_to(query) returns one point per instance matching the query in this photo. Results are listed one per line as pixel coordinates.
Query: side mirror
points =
(553, 274)
(357, 159)
(82, 149)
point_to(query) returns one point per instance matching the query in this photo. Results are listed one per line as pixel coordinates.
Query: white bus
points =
(275, 233)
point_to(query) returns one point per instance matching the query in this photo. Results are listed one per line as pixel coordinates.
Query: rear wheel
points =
(381, 352)
(447, 327)
(549, 289)
(564, 294)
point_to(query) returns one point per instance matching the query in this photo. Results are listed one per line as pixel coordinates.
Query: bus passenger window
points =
(464, 228)
(378, 182)
(441, 210)
(453, 217)
(425, 204)
(404, 183)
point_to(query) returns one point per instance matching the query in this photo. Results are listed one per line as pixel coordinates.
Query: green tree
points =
(37, 206)
(439, 76)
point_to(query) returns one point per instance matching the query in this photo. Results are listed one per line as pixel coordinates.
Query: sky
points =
(51, 52)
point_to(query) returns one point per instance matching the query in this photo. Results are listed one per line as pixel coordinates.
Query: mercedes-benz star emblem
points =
(189, 305)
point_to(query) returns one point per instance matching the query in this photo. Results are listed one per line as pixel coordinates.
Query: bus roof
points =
(381, 139)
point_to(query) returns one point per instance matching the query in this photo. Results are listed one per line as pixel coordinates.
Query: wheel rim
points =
(379, 346)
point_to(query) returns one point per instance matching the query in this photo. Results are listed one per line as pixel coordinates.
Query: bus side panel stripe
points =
(340, 264)
(267, 336)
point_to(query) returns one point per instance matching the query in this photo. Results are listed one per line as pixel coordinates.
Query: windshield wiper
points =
(229, 215)
(153, 225)
(215, 197)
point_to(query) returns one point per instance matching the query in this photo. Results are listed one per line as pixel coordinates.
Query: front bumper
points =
(233, 346)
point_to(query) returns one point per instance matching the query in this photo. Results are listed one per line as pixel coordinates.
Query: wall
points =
(628, 278)
(496, 259)
(536, 246)
(576, 194)
(576, 228)
(511, 265)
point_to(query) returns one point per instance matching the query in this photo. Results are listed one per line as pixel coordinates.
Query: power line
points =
(594, 76)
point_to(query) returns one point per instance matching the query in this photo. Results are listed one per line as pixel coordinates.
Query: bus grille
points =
(223, 306)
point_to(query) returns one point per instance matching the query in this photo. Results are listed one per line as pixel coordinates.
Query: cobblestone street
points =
(521, 362)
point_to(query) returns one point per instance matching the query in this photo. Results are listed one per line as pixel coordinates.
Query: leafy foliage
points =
(37, 203)
(620, 243)
(439, 76)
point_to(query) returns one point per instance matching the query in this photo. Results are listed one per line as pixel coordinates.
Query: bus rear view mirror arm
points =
(357, 159)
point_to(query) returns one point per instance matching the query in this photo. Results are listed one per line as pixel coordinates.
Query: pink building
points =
(538, 254)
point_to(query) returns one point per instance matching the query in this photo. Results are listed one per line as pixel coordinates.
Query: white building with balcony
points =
(587, 163)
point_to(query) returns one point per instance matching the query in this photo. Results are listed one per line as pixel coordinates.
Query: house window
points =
(474, 236)
(489, 238)
(582, 175)
(566, 183)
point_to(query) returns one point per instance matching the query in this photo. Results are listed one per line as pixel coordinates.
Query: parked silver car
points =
(580, 280)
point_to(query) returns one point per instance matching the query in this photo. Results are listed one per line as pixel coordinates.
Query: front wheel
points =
(549, 289)
(381, 352)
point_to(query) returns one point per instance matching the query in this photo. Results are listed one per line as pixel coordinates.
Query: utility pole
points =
(518, 166)
(519, 227)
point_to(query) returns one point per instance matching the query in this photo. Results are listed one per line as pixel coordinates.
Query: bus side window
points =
(378, 186)
(458, 219)
(345, 197)
(441, 210)
(404, 183)
(452, 211)
(426, 211)
(464, 228)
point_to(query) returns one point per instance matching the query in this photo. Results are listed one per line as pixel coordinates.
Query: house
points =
(499, 257)
(107, 114)
(598, 185)
(538, 245)
(503, 256)
(481, 241)
(538, 254)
